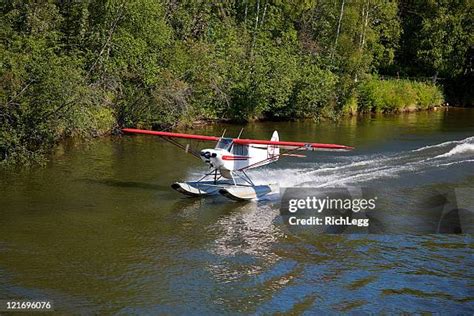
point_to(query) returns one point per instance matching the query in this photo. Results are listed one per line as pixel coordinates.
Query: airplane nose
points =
(207, 154)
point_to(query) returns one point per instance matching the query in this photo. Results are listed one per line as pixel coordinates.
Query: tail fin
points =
(274, 151)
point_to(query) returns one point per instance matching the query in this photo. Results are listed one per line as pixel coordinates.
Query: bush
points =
(314, 92)
(377, 95)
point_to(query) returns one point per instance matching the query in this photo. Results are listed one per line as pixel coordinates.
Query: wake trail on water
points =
(364, 168)
(467, 149)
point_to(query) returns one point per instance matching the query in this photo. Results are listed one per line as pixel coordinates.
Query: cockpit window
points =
(241, 150)
(224, 143)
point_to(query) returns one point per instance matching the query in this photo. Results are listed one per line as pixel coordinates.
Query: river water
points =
(99, 230)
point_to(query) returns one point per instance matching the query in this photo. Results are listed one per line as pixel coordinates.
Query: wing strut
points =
(240, 134)
(186, 148)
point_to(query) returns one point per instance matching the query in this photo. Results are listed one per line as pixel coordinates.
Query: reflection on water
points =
(248, 233)
(125, 184)
(100, 231)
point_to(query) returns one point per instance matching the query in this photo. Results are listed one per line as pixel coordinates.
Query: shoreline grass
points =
(397, 95)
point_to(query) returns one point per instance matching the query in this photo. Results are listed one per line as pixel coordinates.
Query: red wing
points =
(292, 145)
(168, 134)
(281, 144)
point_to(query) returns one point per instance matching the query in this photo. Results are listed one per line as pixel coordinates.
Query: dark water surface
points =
(100, 231)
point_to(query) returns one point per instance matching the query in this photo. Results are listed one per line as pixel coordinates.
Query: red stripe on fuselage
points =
(227, 157)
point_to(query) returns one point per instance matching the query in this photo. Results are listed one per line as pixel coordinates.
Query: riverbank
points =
(28, 141)
(370, 96)
(23, 154)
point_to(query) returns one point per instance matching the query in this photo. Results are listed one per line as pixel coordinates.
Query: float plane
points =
(229, 160)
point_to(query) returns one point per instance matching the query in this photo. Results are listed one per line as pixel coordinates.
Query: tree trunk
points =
(246, 10)
(365, 24)
(255, 28)
(264, 12)
(256, 16)
(362, 16)
(339, 25)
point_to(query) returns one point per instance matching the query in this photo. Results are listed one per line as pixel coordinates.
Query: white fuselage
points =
(223, 159)
(228, 156)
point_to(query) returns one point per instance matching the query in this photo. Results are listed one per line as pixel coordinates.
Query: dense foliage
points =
(71, 68)
(396, 95)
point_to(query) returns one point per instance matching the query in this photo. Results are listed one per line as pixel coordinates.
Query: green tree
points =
(446, 35)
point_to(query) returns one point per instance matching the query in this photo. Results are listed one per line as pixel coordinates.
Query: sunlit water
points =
(100, 231)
